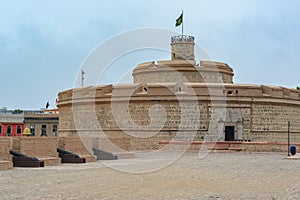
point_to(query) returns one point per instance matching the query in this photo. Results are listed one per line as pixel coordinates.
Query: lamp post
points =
(289, 125)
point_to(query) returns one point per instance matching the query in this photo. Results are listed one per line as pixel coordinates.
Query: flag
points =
(47, 105)
(179, 20)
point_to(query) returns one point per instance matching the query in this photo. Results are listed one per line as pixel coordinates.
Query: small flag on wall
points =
(47, 105)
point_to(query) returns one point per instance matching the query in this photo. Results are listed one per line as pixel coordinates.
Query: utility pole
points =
(82, 77)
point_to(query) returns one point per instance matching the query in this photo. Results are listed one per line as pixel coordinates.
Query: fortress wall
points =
(265, 111)
(159, 90)
(270, 121)
(232, 90)
(135, 116)
(66, 120)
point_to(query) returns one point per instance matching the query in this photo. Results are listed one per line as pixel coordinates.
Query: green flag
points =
(179, 20)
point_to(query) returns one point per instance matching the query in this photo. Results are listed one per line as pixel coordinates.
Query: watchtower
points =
(182, 47)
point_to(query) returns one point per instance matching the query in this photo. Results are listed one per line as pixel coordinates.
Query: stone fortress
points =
(174, 99)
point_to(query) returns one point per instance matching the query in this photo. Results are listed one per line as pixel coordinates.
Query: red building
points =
(11, 124)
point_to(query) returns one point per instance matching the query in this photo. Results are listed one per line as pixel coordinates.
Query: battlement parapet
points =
(172, 91)
(183, 71)
(182, 39)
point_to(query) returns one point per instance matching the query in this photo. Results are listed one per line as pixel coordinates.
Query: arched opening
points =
(19, 129)
(8, 130)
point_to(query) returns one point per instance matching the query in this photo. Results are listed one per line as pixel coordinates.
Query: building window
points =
(0, 129)
(19, 130)
(54, 130)
(32, 130)
(8, 130)
(44, 130)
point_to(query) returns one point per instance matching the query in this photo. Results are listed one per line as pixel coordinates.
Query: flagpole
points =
(182, 26)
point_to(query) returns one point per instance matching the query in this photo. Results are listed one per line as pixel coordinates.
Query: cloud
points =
(47, 41)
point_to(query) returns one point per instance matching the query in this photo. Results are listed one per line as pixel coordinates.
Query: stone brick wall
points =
(272, 117)
(5, 146)
(183, 51)
(40, 147)
(183, 71)
(258, 113)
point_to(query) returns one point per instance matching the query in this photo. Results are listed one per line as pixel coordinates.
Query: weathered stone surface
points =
(126, 121)
(182, 100)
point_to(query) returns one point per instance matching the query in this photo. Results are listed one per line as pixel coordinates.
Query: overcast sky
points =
(43, 43)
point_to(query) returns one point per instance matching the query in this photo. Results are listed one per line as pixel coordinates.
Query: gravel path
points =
(217, 176)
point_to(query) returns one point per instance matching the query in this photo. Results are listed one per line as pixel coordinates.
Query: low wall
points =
(5, 146)
(40, 147)
(5, 157)
(44, 148)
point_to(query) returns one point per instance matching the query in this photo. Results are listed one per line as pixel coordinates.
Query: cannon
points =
(69, 157)
(63, 151)
(22, 160)
(104, 155)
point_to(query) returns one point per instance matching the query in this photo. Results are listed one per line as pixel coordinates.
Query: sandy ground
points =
(217, 176)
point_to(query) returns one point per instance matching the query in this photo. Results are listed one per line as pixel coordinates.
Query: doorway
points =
(229, 133)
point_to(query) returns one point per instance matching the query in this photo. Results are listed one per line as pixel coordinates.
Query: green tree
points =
(17, 111)
(298, 88)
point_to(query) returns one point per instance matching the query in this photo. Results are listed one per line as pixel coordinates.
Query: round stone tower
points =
(182, 47)
(182, 67)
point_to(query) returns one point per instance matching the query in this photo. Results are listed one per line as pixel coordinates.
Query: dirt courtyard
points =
(236, 175)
